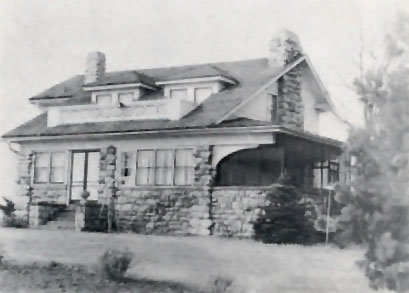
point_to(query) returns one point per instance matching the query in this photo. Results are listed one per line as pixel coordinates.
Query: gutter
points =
(188, 132)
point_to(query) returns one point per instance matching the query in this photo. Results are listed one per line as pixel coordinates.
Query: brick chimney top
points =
(284, 48)
(94, 68)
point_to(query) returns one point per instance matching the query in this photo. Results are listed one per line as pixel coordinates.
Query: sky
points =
(44, 42)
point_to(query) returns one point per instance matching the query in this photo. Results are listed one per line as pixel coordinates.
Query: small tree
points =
(283, 219)
(376, 200)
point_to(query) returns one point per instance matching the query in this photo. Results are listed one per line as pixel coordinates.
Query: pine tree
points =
(283, 218)
(376, 211)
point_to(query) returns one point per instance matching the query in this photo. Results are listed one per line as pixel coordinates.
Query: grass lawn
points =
(194, 261)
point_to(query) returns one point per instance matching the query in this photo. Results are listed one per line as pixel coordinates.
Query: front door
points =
(84, 174)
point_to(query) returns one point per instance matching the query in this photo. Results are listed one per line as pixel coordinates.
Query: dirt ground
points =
(55, 277)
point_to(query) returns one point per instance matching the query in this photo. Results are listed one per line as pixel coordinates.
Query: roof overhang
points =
(273, 129)
(219, 78)
(117, 86)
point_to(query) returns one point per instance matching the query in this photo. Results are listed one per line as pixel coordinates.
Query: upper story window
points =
(49, 167)
(103, 99)
(178, 94)
(126, 98)
(202, 93)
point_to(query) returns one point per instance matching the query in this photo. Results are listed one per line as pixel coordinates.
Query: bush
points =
(221, 284)
(114, 263)
(283, 219)
(9, 208)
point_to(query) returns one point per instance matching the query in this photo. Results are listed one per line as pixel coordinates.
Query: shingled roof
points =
(250, 75)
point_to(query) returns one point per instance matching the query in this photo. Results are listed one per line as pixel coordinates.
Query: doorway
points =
(84, 174)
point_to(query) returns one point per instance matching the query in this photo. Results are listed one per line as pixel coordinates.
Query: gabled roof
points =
(124, 77)
(251, 76)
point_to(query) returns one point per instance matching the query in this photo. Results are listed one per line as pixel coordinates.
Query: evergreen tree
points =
(376, 211)
(283, 219)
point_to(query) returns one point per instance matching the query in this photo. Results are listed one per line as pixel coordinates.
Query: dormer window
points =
(178, 94)
(103, 99)
(202, 93)
(126, 98)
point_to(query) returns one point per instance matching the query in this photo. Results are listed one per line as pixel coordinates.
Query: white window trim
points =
(33, 168)
(134, 167)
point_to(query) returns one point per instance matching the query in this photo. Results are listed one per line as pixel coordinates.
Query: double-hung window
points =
(145, 167)
(161, 167)
(49, 167)
(184, 167)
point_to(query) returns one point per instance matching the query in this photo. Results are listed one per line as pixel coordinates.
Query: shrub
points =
(114, 263)
(8, 209)
(221, 284)
(283, 219)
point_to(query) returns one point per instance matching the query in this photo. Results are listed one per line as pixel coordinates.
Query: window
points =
(184, 167)
(326, 173)
(125, 98)
(41, 167)
(126, 169)
(145, 168)
(165, 167)
(178, 94)
(49, 167)
(104, 100)
(202, 94)
(57, 170)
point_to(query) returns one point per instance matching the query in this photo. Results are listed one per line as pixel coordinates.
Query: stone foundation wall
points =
(234, 209)
(51, 193)
(179, 211)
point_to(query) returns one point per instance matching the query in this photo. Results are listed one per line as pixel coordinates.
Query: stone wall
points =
(51, 193)
(170, 210)
(234, 209)
(290, 104)
(161, 211)
(107, 187)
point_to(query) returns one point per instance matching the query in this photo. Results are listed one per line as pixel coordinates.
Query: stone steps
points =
(65, 220)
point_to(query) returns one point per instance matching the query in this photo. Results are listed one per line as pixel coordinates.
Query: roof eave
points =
(188, 131)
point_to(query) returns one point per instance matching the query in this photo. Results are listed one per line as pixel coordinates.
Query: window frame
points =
(154, 184)
(184, 89)
(126, 93)
(105, 95)
(201, 88)
(326, 165)
(49, 167)
(174, 167)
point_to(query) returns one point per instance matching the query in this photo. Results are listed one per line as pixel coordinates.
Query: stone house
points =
(179, 150)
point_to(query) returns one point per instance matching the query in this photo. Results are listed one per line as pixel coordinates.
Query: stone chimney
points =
(95, 67)
(284, 48)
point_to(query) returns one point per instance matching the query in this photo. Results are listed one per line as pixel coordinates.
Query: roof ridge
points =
(214, 64)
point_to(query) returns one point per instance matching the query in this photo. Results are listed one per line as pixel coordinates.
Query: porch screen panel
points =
(41, 167)
(145, 171)
(184, 167)
(164, 167)
(58, 161)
